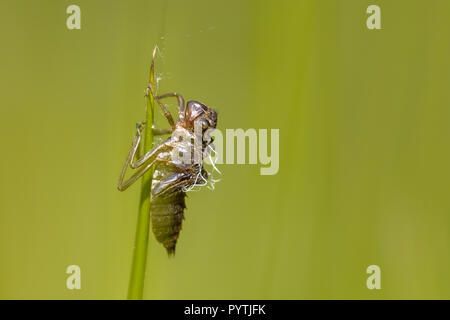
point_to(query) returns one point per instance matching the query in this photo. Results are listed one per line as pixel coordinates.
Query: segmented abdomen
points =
(167, 203)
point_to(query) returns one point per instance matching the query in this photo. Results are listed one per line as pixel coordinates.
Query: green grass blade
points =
(137, 277)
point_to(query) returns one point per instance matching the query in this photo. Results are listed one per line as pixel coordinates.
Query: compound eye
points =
(200, 107)
(195, 109)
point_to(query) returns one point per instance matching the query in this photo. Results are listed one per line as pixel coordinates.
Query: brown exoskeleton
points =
(177, 167)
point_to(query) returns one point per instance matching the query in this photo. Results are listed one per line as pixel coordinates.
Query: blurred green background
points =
(364, 158)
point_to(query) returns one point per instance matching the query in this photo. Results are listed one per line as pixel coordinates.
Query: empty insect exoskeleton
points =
(177, 164)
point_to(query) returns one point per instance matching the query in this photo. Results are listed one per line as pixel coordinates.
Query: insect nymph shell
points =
(175, 174)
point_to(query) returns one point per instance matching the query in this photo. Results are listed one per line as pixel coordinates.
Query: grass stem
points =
(139, 264)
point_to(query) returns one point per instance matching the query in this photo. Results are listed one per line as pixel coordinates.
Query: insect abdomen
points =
(167, 217)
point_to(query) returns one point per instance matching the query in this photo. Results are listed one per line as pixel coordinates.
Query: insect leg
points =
(123, 185)
(134, 164)
(150, 156)
(180, 102)
(166, 112)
